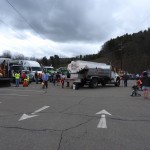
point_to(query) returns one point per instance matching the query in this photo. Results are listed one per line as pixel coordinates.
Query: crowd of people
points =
(55, 78)
(22, 77)
(142, 84)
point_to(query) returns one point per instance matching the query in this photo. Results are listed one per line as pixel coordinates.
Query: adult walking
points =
(45, 78)
(145, 84)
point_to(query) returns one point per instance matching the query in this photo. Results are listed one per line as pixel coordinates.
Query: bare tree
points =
(18, 57)
(7, 54)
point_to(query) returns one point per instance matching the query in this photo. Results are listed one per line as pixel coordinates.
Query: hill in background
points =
(128, 52)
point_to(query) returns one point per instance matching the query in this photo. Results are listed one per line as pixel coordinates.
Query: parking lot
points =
(32, 118)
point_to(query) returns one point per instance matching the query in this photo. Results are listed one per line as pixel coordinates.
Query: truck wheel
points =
(93, 83)
(103, 83)
(117, 82)
(82, 85)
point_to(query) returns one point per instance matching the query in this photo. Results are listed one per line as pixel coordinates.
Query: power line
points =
(10, 27)
(20, 14)
(30, 25)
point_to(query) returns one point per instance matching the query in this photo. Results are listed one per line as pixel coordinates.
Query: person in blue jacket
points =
(45, 79)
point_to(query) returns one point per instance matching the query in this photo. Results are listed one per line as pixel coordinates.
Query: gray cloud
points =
(65, 20)
(70, 22)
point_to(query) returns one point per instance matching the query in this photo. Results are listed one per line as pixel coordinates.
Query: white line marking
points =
(13, 95)
(44, 107)
(102, 122)
(23, 90)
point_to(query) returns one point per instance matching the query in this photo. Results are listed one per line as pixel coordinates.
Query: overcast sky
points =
(38, 28)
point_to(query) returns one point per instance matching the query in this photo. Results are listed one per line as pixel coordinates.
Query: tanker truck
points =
(92, 74)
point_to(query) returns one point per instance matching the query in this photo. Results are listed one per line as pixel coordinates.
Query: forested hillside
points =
(128, 52)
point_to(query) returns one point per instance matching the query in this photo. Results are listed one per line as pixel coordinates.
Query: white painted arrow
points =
(25, 116)
(44, 107)
(102, 122)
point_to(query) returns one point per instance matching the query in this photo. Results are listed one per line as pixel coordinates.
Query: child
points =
(135, 90)
(139, 82)
(62, 80)
(25, 83)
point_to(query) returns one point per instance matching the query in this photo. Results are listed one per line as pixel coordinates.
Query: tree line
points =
(130, 52)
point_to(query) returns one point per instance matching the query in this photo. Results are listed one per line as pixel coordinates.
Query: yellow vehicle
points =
(5, 77)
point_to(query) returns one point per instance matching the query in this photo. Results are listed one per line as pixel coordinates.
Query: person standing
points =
(45, 78)
(17, 78)
(125, 78)
(145, 84)
(36, 77)
(68, 76)
(23, 76)
(58, 78)
(54, 78)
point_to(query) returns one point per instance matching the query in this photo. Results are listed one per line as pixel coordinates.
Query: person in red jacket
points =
(23, 76)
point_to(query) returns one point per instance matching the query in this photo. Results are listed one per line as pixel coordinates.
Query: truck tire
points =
(103, 83)
(81, 84)
(93, 83)
(117, 82)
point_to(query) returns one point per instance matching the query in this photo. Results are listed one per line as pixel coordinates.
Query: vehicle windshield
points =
(17, 68)
(36, 69)
(49, 69)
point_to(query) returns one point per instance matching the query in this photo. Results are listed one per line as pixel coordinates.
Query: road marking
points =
(23, 90)
(44, 107)
(25, 116)
(12, 95)
(102, 122)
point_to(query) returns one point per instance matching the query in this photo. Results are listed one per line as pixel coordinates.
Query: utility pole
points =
(121, 57)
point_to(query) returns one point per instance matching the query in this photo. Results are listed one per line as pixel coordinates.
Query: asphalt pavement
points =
(105, 118)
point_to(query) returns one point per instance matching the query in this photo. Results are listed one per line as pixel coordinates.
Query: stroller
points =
(135, 89)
